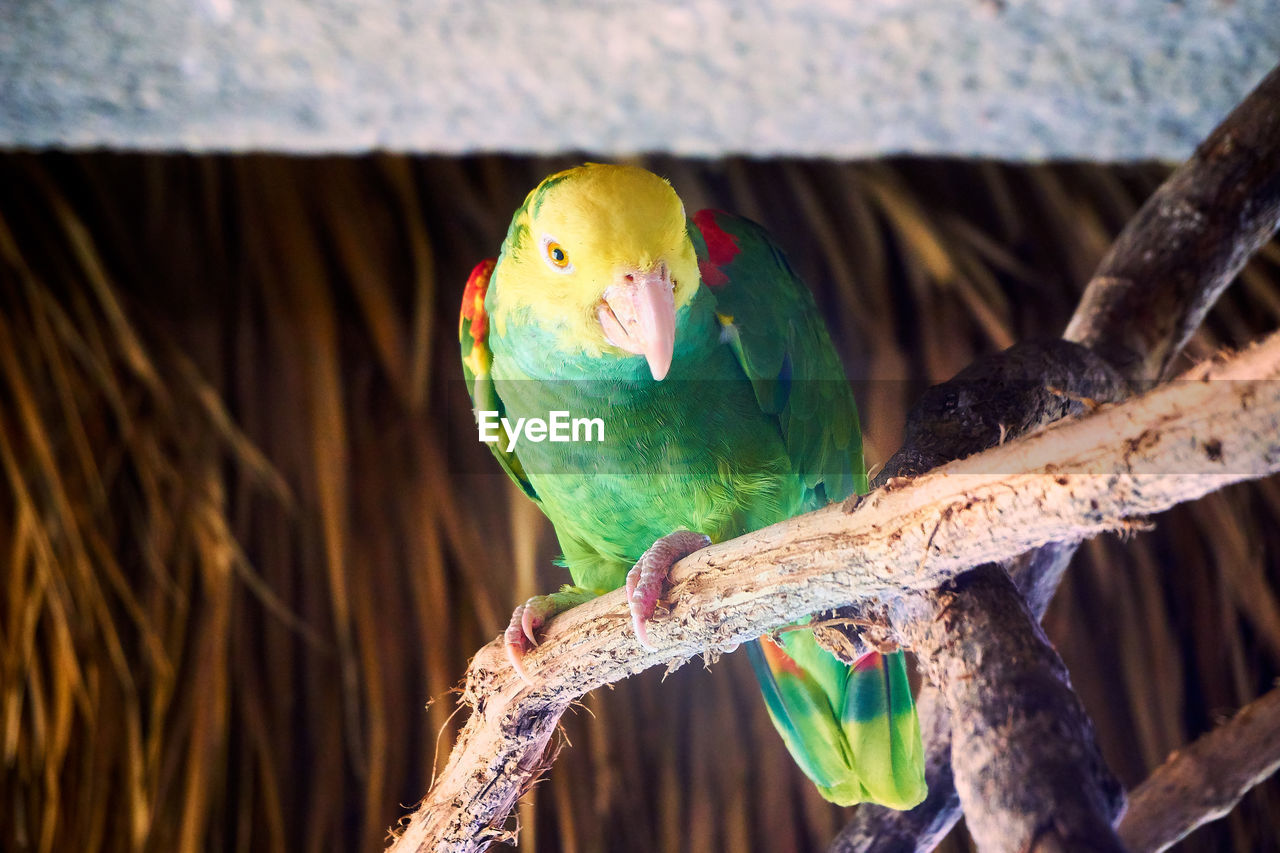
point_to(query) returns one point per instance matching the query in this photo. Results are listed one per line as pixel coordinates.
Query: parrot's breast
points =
(693, 451)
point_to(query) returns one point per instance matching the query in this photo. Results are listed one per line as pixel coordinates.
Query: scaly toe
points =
(649, 574)
(518, 640)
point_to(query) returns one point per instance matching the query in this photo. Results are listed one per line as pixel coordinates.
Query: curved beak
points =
(638, 314)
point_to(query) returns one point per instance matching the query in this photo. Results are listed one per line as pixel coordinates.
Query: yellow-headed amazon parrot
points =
(654, 383)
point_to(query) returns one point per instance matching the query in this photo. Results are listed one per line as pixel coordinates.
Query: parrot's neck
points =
(531, 351)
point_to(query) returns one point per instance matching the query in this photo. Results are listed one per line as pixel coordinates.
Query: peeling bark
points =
(1036, 574)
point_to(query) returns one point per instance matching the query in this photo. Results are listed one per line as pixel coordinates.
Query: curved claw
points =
(521, 633)
(641, 606)
(649, 574)
(515, 655)
(516, 642)
(633, 578)
(531, 621)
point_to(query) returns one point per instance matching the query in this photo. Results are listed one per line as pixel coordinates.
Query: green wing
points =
(473, 337)
(852, 729)
(770, 319)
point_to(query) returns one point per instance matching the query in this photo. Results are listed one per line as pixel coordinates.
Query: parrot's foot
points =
(520, 634)
(522, 631)
(645, 580)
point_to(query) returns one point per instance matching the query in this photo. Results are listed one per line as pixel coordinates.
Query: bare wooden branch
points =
(1026, 764)
(1023, 754)
(1203, 782)
(1001, 396)
(919, 830)
(1187, 243)
(1068, 482)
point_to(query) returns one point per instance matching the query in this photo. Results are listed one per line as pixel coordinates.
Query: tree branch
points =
(1149, 294)
(1001, 396)
(1026, 765)
(1065, 483)
(1187, 243)
(1204, 781)
(1036, 574)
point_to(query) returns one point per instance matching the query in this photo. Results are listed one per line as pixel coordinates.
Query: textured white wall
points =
(1096, 79)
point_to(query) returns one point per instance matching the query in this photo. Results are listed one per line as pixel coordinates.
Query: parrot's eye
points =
(555, 255)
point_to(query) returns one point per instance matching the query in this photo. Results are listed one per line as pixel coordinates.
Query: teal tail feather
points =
(852, 729)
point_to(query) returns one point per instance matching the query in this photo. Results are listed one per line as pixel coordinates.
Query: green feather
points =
(754, 423)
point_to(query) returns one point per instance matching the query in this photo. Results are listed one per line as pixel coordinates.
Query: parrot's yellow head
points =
(600, 254)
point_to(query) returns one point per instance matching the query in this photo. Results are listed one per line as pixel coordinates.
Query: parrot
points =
(722, 407)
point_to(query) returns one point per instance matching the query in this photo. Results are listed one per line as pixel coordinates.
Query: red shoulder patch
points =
(722, 248)
(473, 302)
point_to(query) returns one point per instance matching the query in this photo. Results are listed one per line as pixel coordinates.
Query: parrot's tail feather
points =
(852, 729)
